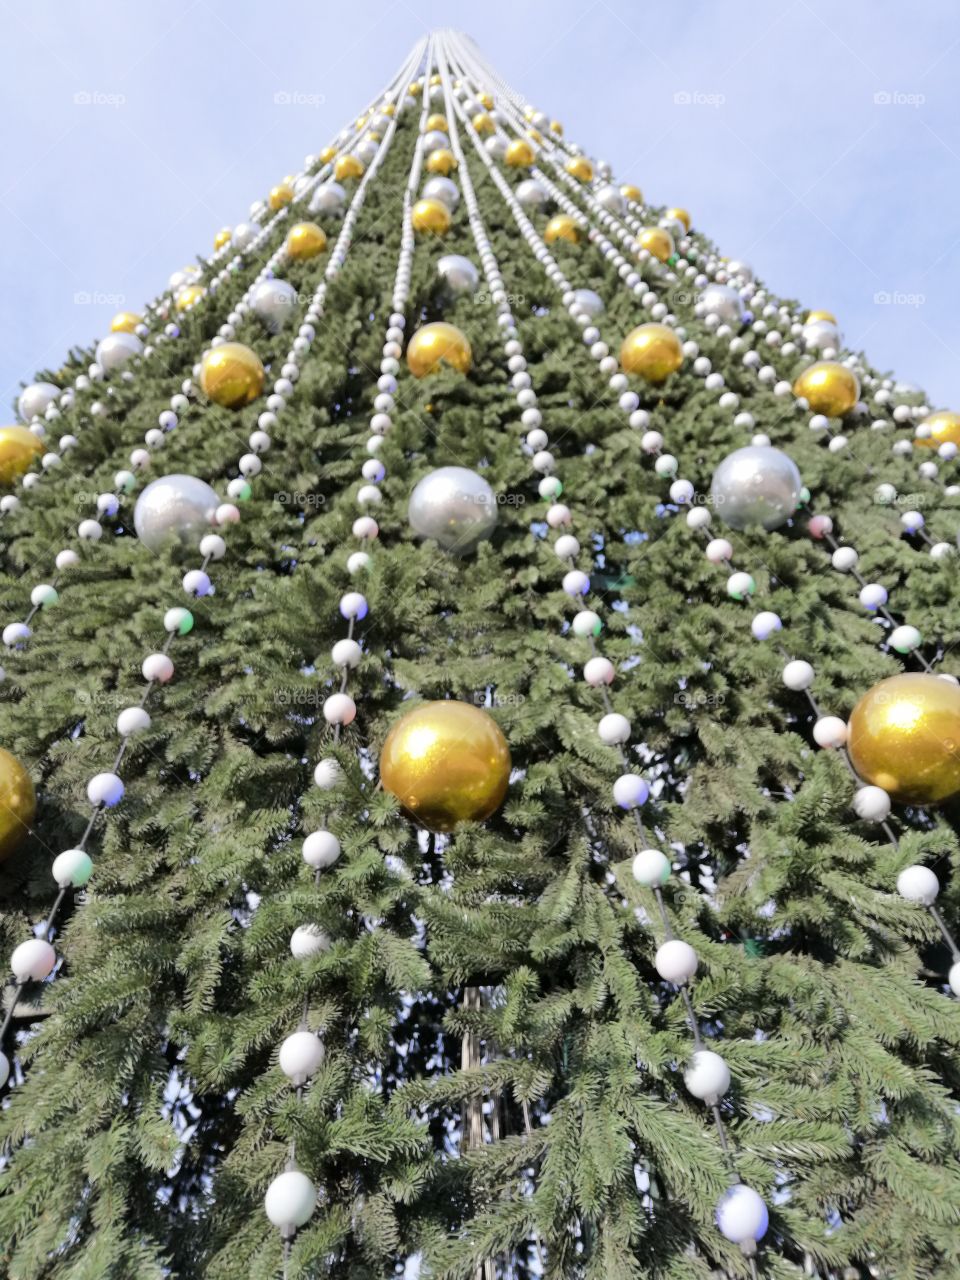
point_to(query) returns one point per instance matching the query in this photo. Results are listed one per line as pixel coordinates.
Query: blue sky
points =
(820, 142)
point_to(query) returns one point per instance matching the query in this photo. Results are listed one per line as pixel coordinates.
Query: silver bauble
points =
(187, 275)
(612, 199)
(821, 335)
(589, 302)
(380, 124)
(531, 195)
(244, 233)
(758, 485)
(273, 303)
(118, 349)
(34, 400)
(722, 301)
(442, 189)
(366, 150)
(328, 198)
(496, 146)
(458, 273)
(434, 140)
(737, 268)
(175, 509)
(455, 507)
(675, 227)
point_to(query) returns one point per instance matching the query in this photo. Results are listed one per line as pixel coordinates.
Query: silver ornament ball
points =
(724, 302)
(531, 195)
(589, 302)
(443, 189)
(821, 335)
(458, 273)
(612, 199)
(35, 399)
(244, 233)
(173, 509)
(273, 303)
(454, 506)
(118, 349)
(758, 485)
(328, 198)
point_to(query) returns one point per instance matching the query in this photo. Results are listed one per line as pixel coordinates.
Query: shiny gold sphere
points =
(820, 315)
(579, 167)
(482, 123)
(348, 166)
(630, 192)
(651, 350)
(188, 295)
(828, 388)
(18, 803)
(125, 322)
(904, 736)
(446, 762)
(388, 109)
(231, 375)
(519, 154)
(18, 448)
(280, 195)
(557, 128)
(486, 100)
(437, 344)
(361, 120)
(430, 217)
(944, 429)
(305, 241)
(435, 80)
(681, 215)
(415, 88)
(223, 236)
(441, 161)
(437, 121)
(657, 241)
(327, 155)
(561, 227)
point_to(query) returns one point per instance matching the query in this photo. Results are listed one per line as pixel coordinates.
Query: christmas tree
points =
(479, 749)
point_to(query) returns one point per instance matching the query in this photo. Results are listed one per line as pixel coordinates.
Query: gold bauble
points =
(436, 344)
(535, 135)
(125, 322)
(289, 179)
(657, 241)
(280, 195)
(231, 375)
(519, 154)
(813, 316)
(557, 128)
(306, 240)
(18, 448)
(529, 112)
(579, 167)
(388, 109)
(446, 762)
(327, 155)
(482, 123)
(223, 236)
(436, 79)
(904, 736)
(630, 192)
(188, 295)
(441, 161)
(828, 388)
(414, 88)
(430, 217)
(562, 227)
(652, 350)
(486, 100)
(372, 135)
(18, 803)
(361, 121)
(438, 121)
(681, 215)
(348, 166)
(944, 429)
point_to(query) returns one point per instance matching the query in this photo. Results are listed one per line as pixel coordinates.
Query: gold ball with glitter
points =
(653, 351)
(18, 802)
(904, 736)
(828, 388)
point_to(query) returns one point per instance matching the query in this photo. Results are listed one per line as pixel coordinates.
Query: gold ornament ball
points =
(125, 322)
(441, 161)
(388, 109)
(280, 195)
(437, 121)
(223, 236)
(348, 166)
(231, 375)
(828, 388)
(305, 241)
(813, 316)
(630, 192)
(561, 227)
(657, 241)
(651, 350)
(18, 803)
(431, 217)
(579, 167)
(188, 295)
(446, 762)
(482, 123)
(519, 154)
(681, 215)
(327, 155)
(557, 128)
(535, 134)
(437, 344)
(415, 88)
(485, 100)
(435, 80)
(904, 736)
(944, 429)
(18, 448)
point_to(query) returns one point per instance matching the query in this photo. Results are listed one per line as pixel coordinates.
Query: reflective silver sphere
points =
(329, 198)
(455, 507)
(244, 233)
(496, 146)
(736, 268)
(821, 335)
(273, 303)
(366, 150)
(531, 195)
(175, 509)
(442, 189)
(458, 273)
(612, 199)
(117, 349)
(433, 140)
(589, 302)
(758, 485)
(722, 301)
(675, 227)
(35, 399)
